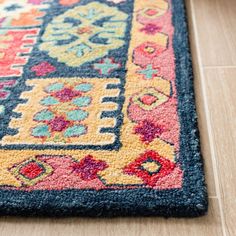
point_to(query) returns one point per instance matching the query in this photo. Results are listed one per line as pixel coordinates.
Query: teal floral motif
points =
(83, 87)
(49, 101)
(65, 111)
(44, 115)
(85, 33)
(54, 87)
(77, 115)
(41, 131)
(75, 131)
(82, 101)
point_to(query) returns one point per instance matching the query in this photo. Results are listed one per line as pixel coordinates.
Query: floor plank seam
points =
(219, 67)
(213, 197)
(206, 109)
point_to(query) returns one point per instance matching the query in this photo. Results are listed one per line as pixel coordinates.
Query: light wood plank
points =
(204, 226)
(221, 85)
(216, 23)
(205, 146)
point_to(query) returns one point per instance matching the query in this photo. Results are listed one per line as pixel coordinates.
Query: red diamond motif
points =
(148, 99)
(151, 12)
(31, 170)
(135, 168)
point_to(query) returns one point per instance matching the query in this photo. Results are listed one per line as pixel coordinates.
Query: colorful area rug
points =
(97, 110)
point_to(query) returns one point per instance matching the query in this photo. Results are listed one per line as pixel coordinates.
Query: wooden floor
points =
(213, 41)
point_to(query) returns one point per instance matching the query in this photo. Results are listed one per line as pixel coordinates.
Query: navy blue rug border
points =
(190, 201)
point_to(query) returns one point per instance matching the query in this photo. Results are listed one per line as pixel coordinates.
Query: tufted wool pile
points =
(97, 110)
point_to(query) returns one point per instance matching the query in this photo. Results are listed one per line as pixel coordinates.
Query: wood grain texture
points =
(221, 85)
(216, 23)
(205, 146)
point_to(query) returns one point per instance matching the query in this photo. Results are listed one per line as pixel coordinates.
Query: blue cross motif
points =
(148, 72)
(106, 66)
